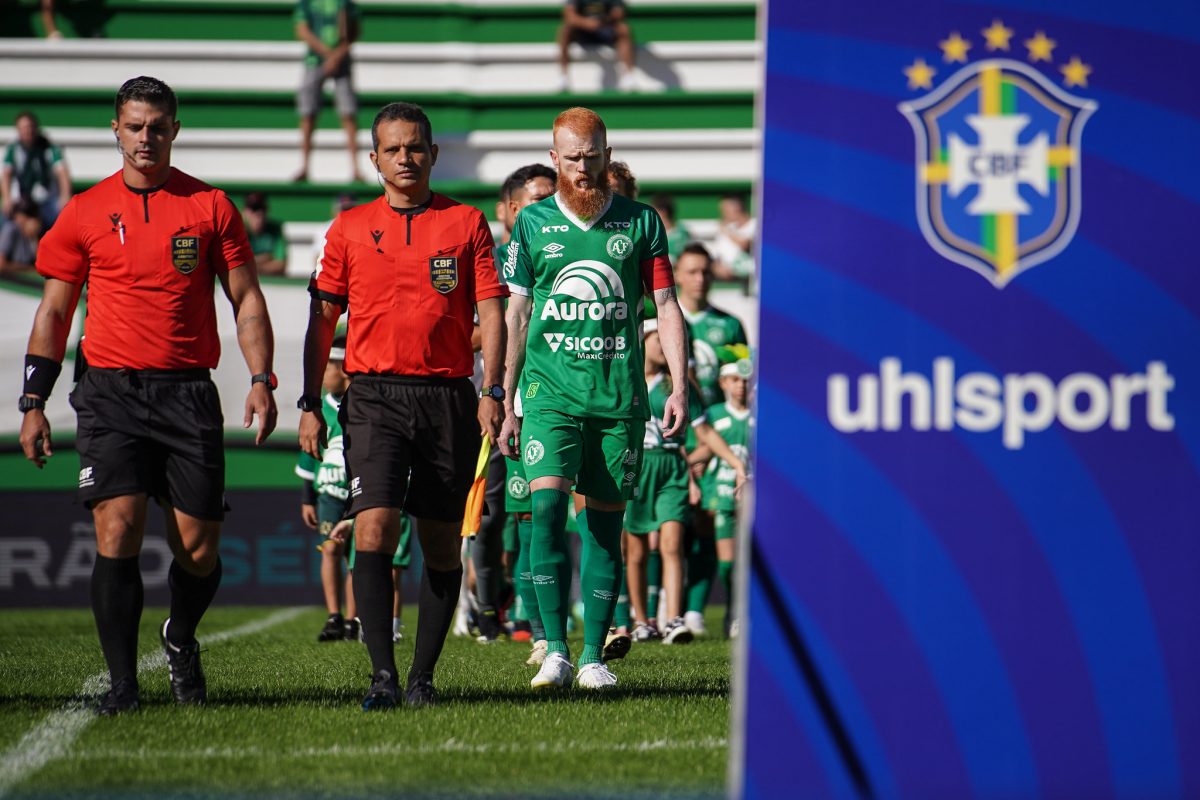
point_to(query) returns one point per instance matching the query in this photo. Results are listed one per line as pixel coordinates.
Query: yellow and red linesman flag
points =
(473, 515)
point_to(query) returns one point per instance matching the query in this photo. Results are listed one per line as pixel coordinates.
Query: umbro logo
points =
(555, 340)
(553, 247)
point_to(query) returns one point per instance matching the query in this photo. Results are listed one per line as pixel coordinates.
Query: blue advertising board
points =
(975, 563)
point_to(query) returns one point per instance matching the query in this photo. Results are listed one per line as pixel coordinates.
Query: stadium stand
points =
(487, 78)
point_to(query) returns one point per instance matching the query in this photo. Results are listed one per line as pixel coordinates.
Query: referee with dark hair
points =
(148, 242)
(412, 268)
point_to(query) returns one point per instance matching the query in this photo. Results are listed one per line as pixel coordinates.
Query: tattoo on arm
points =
(664, 295)
(246, 321)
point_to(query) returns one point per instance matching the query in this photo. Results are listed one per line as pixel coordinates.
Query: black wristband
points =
(309, 494)
(40, 375)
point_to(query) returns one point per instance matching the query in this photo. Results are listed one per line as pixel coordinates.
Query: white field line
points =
(53, 736)
(448, 746)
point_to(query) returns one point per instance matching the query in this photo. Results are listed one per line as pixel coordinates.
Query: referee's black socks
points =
(435, 611)
(117, 597)
(373, 591)
(191, 596)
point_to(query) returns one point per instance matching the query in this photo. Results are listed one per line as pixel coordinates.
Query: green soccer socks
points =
(550, 565)
(599, 578)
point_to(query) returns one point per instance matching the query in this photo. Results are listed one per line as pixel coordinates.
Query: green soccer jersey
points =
(736, 428)
(710, 329)
(658, 389)
(329, 476)
(323, 18)
(585, 279)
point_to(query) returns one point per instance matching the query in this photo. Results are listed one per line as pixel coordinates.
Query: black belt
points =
(195, 374)
(408, 380)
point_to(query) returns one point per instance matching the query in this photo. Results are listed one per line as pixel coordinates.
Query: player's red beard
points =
(585, 203)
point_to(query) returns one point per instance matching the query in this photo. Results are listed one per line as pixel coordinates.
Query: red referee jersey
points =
(410, 282)
(149, 259)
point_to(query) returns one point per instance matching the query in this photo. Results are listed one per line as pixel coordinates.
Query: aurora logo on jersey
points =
(443, 273)
(998, 160)
(185, 253)
(597, 288)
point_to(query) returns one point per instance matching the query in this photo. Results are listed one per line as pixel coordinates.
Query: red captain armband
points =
(657, 273)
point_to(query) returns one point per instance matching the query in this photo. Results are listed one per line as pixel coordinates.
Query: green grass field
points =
(283, 719)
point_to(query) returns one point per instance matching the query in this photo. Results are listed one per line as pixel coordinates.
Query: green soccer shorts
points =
(516, 488)
(725, 524)
(604, 456)
(662, 492)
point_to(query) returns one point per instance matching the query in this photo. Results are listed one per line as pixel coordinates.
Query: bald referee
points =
(149, 242)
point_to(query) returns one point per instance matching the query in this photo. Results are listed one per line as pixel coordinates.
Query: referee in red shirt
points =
(148, 242)
(411, 268)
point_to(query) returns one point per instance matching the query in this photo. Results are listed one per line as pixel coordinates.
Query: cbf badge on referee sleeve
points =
(443, 273)
(185, 253)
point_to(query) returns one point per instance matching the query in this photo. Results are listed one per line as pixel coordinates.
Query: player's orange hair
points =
(583, 121)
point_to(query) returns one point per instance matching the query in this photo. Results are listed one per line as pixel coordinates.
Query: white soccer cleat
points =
(695, 622)
(595, 676)
(538, 654)
(628, 81)
(677, 632)
(644, 633)
(556, 673)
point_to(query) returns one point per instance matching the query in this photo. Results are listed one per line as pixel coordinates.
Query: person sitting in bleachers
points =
(34, 169)
(592, 22)
(19, 238)
(266, 236)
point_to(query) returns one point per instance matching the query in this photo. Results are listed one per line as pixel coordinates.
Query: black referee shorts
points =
(411, 443)
(160, 432)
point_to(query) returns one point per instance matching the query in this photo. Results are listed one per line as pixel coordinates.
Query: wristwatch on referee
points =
(27, 403)
(308, 402)
(495, 391)
(268, 378)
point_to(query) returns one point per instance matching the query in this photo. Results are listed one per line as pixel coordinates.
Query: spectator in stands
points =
(677, 235)
(328, 27)
(733, 249)
(49, 24)
(591, 22)
(34, 169)
(19, 238)
(266, 236)
(621, 180)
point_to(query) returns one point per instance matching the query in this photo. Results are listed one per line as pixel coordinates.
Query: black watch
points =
(495, 391)
(308, 402)
(266, 377)
(27, 403)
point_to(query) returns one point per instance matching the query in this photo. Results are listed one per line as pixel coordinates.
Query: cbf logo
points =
(998, 154)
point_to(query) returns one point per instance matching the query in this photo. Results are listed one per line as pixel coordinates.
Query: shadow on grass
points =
(345, 696)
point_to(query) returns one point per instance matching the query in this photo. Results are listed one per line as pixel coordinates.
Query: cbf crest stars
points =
(998, 163)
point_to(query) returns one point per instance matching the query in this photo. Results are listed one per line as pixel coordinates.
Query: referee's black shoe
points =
(382, 694)
(123, 696)
(183, 663)
(420, 692)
